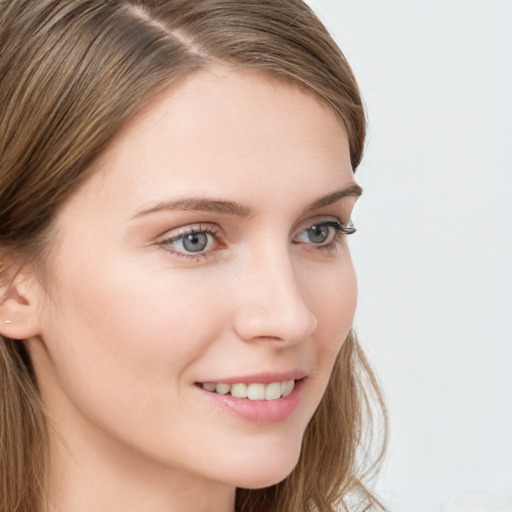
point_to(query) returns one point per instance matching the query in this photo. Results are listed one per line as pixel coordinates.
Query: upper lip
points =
(261, 378)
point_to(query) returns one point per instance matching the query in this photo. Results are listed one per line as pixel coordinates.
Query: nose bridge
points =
(272, 304)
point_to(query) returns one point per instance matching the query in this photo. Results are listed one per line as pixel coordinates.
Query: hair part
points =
(73, 72)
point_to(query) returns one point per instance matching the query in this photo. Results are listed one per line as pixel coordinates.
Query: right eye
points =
(194, 241)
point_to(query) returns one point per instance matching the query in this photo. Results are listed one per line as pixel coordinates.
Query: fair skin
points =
(136, 317)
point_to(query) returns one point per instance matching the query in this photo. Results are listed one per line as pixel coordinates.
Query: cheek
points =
(333, 298)
(118, 330)
(122, 350)
(144, 315)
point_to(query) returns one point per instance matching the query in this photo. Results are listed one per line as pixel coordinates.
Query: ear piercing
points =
(7, 322)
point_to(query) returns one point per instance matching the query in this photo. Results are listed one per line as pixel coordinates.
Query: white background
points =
(434, 246)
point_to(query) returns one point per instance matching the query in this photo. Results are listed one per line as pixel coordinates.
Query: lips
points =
(262, 398)
(253, 390)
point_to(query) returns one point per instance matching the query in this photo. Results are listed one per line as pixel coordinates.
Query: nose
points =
(270, 304)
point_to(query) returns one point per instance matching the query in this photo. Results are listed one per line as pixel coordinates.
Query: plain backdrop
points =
(433, 250)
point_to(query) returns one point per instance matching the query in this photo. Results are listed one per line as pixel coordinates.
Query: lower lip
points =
(257, 411)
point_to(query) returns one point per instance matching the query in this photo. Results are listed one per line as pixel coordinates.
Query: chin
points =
(268, 468)
(265, 478)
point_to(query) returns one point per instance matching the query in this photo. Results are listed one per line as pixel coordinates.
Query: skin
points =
(130, 322)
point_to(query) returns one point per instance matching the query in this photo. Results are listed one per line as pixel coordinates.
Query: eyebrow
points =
(232, 208)
(200, 204)
(352, 191)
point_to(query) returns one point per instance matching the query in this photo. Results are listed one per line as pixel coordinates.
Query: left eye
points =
(320, 234)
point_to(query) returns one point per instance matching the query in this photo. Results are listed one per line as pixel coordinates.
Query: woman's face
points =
(206, 249)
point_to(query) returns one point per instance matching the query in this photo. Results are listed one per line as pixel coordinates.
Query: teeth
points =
(256, 391)
(287, 387)
(253, 391)
(273, 391)
(222, 389)
(239, 390)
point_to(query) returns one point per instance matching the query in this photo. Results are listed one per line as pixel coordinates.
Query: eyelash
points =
(341, 230)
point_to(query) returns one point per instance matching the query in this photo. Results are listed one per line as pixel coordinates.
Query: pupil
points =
(319, 234)
(195, 242)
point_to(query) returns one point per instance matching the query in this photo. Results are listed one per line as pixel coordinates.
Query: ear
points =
(20, 300)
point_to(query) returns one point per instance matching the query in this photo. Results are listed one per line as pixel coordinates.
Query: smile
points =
(252, 391)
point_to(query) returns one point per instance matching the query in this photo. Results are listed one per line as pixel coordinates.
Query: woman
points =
(177, 292)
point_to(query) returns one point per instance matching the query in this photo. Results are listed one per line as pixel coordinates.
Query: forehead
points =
(218, 128)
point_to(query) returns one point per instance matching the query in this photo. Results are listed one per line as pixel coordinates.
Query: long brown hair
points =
(71, 73)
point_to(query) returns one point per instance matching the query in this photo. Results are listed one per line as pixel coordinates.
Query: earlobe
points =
(19, 307)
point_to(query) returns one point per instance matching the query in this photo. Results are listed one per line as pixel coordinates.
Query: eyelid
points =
(200, 227)
(346, 229)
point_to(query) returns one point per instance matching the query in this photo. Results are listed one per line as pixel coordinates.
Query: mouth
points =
(253, 390)
(259, 398)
